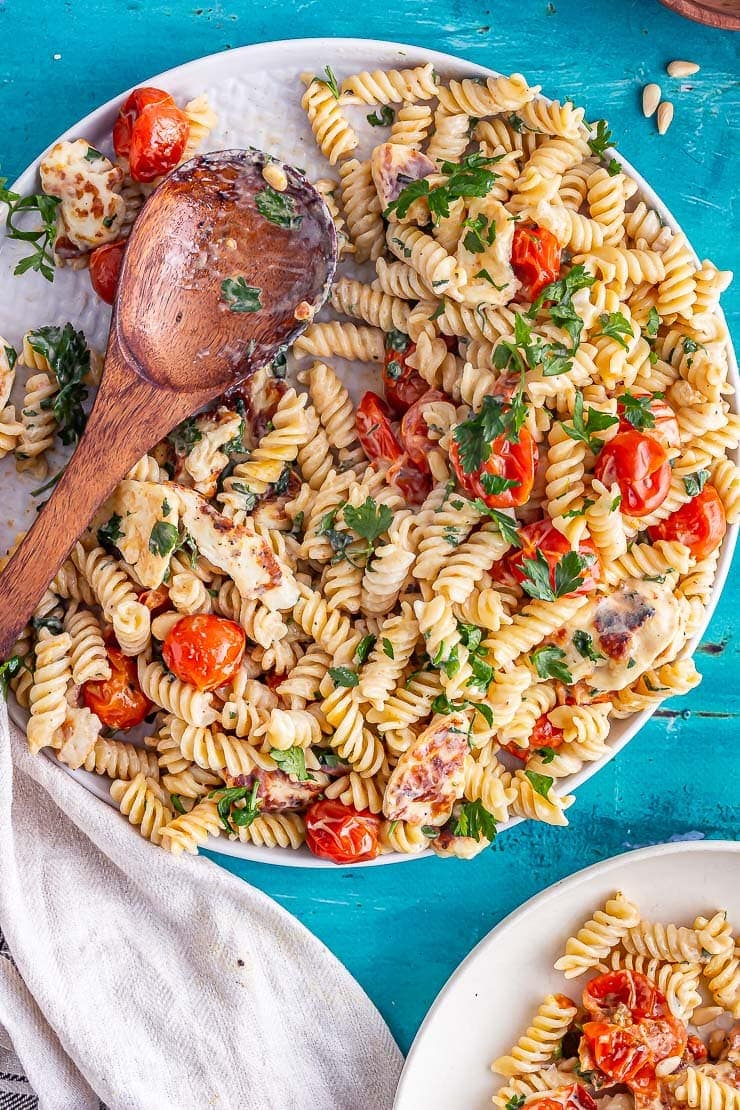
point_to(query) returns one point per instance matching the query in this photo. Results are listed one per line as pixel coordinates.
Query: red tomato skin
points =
(342, 834)
(535, 258)
(665, 429)
(156, 600)
(374, 429)
(696, 1049)
(414, 484)
(543, 536)
(118, 701)
(105, 267)
(132, 107)
(617, 1052)
(204, 650)
(543, 735)
(158, 140)
(516, 461)
(639, 466)
(414, 432)
(700, 524)
(605, 993)
(402, 384)
(572, 1097)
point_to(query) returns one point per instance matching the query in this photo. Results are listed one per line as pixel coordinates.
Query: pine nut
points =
(704, 1014)
(665, 116)
(650, 99)
(665, 1067)
(681, 69)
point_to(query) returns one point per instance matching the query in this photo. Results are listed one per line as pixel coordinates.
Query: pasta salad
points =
(392, 626)
(631, 1041)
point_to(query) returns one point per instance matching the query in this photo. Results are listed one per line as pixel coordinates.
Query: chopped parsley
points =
(475, 436)
(185, 436)
(548, 662)
(388, 648)
(480, 233)
(292, 761)
(110, 533)
(51, 623)
(694, 483)
(469, 178)
(240, 297)
(177, 803)
(363, 649)
(229, 809)
(584, 429)
(546, 754)
(495, 483)
(68, 354)
(584, 645)
(164, 538)
(396, 340)
(343, 676)
(8, 670)
(541, 583)
(278, 208)
(42, 239)
(540, 783)
(475, 821)
(652, 324)
(615, 325)
(487, 277)
(11, 356)
(383, 117)
(599, 144)
(330, 81)
(637, 410)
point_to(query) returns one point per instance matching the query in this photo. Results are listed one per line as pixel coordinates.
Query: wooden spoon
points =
(182, 332)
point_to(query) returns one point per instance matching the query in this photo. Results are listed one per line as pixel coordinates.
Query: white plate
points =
(256, 92)
(488, 1001)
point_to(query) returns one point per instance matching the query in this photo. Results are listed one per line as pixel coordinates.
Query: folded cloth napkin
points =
(145, 982)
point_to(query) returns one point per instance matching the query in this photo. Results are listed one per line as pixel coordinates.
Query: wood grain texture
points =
(718, 13)
(401, 930)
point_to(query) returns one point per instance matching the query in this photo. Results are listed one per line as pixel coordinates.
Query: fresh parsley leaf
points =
(368, 520)
(599, 143)
(110, 533)
(540, 583)
(177, 803)
(8, 670)
(279, 209)
(569, 572)
(438, 310)
(475, 435)
(330, 81)
(388, 648)
(583, 430)
(470, 636)
(11, 356)
(537, 578)
(69, 357)
(396, 340)
(495, 484)
(481, 233)
(540, 783)
(482, 673)
(292, 761)
(652, 324)
(695, 483)
(637, 410)
(515, 1102)
(584, 645)
(506, 525)
(363, 649)
(616, 326)
(469, 178)
(559, 293)
(383, 117)
(185, 436)
(430, 832)
(546, 754)
(411, 192)
(93, 154)
(475, 821)
(548, 662)
(229, 809)
(239, 296)
(343, 676)
(487, 277)
(163, 539)
(41, 258)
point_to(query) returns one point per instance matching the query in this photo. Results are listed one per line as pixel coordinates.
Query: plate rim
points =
(557, 889)
(287, 857)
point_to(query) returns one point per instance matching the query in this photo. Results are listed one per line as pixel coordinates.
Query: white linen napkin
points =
(153, 983)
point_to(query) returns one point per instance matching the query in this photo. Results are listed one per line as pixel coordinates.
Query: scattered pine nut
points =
(665, 116)
(704, 1014)
(275, 176)
(650, 99)
(681, 69)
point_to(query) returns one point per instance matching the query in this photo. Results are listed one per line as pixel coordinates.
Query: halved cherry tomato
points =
(414, 430)
(572, 1097)
(639, 465)
(156, 600)
(542, 536)
(615, 990)
(516, 462)
(342, 834)
(204, 650)
(696, 1049)
(414, 484)
(700, 524)
(152, 132)
(118, 701)
(403, 385)
(619, 1053)
(105, 266)
(374, 429)
(665, 426)
(543, 735)
(535, 258)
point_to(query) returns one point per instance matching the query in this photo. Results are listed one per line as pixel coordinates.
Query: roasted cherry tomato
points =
(341, 834)
(619, 1053)
(542, 536)
(413, 483)
(118, 701)
(639, 465)
(612, 992)
(700, 524)
(105, 266)
(156, 600)
(664, 427)
(515, 462)
(403, 385)
(152, 132)
(572, 1097)
(696, 1049)
(414, 430)
(543, 735)
(535, 258)
(374, 429)
(203, 650)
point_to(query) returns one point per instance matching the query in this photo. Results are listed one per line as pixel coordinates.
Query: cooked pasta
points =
(539, 1045)
(594, 940)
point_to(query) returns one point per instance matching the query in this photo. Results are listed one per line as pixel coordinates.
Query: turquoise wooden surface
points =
(401, 930)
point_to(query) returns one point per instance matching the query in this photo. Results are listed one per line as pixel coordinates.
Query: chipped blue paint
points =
(402, 930)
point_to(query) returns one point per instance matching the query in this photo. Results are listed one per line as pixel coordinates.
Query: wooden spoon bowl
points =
(210, 290)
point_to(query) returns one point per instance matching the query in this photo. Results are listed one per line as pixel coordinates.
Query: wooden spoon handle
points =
(129, 415)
